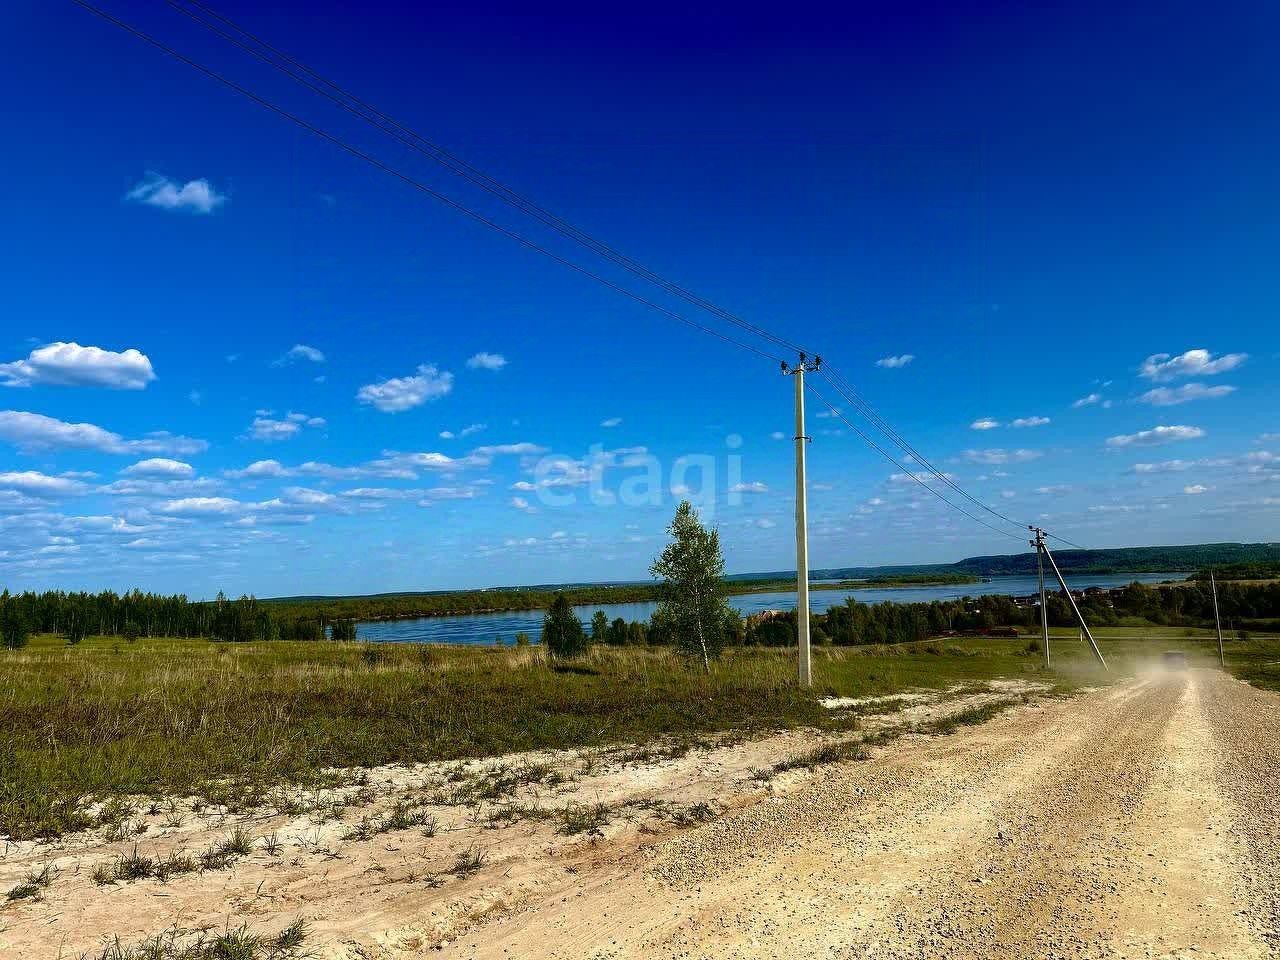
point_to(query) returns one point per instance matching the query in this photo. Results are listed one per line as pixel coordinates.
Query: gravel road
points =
(1135, 821)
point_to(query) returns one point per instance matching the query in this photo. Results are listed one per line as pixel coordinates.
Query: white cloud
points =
(196, 196)
(404, 393)
(464, 432)
(449, 493)
(611, 422)
(260, 470)
(986, 423)
(520, 503)
(1089, 401)
(201, 506)
(35, 431)
(1166, 466)
(893, 363)
(997, 456)
(159, 467)
(1194, 363)
(1029, 422)
(1171, 396)
(523, 449)
(269, 431)
(764, 523)
(1254, 462)
(71, 365)
(37, 484)
(382, 493)
(777, 435)
(920, 477)
(300, 351)
(150, 487)
(1155, 436)
(1195, 488)
(486, 361)
(1054, 489)
(392, 465)
(755, 486)
(307, 497)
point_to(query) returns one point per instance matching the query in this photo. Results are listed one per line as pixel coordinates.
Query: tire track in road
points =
(1245, 724)
(1087, 828)
(1043, 881)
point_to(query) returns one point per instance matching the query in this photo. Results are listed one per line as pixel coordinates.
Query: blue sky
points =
(236, 358)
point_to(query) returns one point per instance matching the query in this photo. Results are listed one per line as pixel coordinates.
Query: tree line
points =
(693, 613)
(136, 614)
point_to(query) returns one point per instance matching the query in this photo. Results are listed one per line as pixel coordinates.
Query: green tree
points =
(617, 632)
(692, 608)
(522, 639)
(76, 622)
(14, 628)
(600, 627)
(562, 630)
(344, 630)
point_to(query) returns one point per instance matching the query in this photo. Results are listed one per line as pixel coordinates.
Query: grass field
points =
(158, 717)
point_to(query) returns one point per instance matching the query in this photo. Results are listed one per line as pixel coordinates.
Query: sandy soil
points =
(1132, 821)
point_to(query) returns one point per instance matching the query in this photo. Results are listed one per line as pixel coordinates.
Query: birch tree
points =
(692, 606)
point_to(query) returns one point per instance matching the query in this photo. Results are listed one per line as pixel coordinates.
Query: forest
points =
(1243, 605)
(1253, 570)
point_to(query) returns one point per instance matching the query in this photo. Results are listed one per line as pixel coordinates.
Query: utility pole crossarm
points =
(802, 534)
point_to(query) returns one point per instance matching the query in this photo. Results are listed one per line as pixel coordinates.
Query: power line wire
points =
(846, 390)
(299, 72)
(416, 184)
(836, 412)
(309, 78)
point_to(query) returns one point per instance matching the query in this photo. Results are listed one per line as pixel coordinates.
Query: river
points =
(483, 628)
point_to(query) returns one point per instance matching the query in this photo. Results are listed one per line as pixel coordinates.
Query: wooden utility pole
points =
(1213, 582)
(802, 522)
(1067, 590)
(1044, 606)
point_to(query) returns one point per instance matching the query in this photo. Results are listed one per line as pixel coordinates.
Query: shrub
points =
(562, 630)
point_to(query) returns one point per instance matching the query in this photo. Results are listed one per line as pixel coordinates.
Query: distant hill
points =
(1179, 559)
(1187, 558)
(1176, 559)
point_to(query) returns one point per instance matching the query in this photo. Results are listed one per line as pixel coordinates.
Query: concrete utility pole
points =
(1044, 606)
(802, 521)
(1043, 547)
(1222, 657)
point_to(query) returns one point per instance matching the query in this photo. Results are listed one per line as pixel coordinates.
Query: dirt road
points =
(1138, 820)
(1135, 822)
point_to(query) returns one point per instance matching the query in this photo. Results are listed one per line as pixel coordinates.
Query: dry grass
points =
(246, 726)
